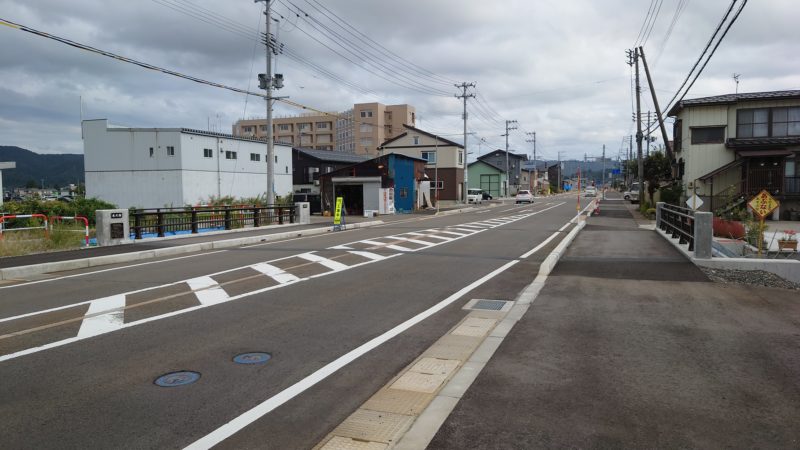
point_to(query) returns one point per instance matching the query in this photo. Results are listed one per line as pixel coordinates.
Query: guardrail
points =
(76, 219)
(688, 226)
(160, 221)
(3, 219)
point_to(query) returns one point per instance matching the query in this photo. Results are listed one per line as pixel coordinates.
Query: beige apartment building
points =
(358, 130)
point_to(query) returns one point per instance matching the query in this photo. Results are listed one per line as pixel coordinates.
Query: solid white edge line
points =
(260, 410)
(565, 226)
(109, 270)
(540, 246)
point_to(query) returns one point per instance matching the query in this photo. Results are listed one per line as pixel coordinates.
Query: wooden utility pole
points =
(633, 56)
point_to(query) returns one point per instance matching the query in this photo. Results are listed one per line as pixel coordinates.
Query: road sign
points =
(694, 202)
(763, 204)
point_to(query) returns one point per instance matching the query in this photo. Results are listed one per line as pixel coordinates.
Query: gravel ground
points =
(750, 277)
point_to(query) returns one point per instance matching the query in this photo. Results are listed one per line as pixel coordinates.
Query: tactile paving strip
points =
(346, 443)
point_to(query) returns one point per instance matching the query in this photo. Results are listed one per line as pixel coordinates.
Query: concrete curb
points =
(11, 273)
(422, 431)
(788, 269)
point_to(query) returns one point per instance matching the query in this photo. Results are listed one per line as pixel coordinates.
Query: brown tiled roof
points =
(734, 98)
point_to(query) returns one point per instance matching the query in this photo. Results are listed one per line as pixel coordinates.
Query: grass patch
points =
(62, 237)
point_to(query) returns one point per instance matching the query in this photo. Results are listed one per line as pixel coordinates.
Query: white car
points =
(474, 195)
(591, 191)
(524, 197)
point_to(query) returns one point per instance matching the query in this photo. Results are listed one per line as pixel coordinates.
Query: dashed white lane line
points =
(207, 290)
(96, 323)
(260, 410)
(329, 263)
(275, 273)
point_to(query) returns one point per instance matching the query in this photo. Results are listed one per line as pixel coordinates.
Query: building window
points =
(247, 129)
(708, 135)
(437, 184)
(287, 169)
(263, 128)
(365, 128)
(303, 126)
(366, 113)
(322, 125)
(255, 157)
(366, 142)
(276, 159)
(430, 157)
(416, 140)
(284, 127)
(230, 155)
(208, 153)
(460, 157)
(170, 150)
(403, 192)
(151, 152)
(752, 123)
(785, 122)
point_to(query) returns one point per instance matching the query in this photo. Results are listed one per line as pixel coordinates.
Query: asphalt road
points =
(80, 351)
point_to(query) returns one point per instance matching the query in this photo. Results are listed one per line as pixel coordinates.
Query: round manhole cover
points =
(252, 358)
(177, 378)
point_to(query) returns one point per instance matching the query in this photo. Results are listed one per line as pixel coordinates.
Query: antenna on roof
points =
(736, 80)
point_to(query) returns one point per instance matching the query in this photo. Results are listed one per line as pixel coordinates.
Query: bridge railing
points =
(688, 226)
(163, 221)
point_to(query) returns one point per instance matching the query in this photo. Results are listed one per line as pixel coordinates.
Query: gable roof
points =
(331, 155)
(488, 164)
(734, 98)
(503, 152)
(417, 130)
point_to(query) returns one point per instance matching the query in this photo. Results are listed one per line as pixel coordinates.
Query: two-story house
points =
(445, 160)
(730, 147)
(498, 158)
(308, 164)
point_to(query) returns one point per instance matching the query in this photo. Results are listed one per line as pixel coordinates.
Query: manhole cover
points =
(491, 305)
(252, 358)
(177, 378)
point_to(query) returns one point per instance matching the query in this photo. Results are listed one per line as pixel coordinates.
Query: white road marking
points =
(433, 236)
(341, 247)
(207, 290)
(111, 319)
(565, 226)
(335, 266)
(540, 246)
(260, 410)
(29, 283)
(468, 230)
(415, 241)
(453, 232)
(275, 273)
(369, 255)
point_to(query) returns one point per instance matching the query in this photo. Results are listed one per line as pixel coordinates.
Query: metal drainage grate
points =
(488, 305)
(177, 378)
(252, 358)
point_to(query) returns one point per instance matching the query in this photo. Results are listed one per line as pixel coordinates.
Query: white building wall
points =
(447, 155)
(120, 169)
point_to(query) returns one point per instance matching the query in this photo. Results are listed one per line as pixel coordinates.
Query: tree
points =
(656, 169)
(31, 184)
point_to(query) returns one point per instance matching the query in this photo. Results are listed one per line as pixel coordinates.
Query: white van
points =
(474, 195)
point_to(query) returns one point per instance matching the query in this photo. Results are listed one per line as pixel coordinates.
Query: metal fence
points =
(677, 221)
(163, 221)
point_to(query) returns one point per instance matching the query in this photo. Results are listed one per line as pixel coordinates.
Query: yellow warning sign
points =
(763, 204)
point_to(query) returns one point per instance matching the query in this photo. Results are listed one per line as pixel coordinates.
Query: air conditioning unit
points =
(316, 182)
(690, 185)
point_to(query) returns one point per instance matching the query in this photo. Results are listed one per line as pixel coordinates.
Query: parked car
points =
(524, 197)
(486, 195)
(632, 193)
(474, 195)
(591, 191)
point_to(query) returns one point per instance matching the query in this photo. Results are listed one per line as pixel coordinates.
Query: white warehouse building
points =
(174, 167)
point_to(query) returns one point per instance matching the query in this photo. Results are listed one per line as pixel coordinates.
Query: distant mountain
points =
(56, 170)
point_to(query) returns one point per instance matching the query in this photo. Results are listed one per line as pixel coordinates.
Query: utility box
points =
(302, 213)
(113, 227)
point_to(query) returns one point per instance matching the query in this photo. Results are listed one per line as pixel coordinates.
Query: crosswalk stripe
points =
(112, 319)
(370, 255)
(453, 232)
(207, 290)
(433, 236)
(329, 263)
(470, 231)
(390, 246)
(275, 273)
(415, 241)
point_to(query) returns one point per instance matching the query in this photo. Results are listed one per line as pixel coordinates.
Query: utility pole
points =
(603, 186)
(667, 149)
(465, 96)
(633, 55)
(535, 167)
(508, 178)
(560, 187)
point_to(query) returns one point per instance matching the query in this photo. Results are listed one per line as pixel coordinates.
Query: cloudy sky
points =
(557, 67)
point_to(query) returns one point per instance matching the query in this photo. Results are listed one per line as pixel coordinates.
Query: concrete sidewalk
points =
(630, 345)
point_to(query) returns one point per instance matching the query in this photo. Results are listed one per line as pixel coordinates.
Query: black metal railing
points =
(679, 222)
(160, 222)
